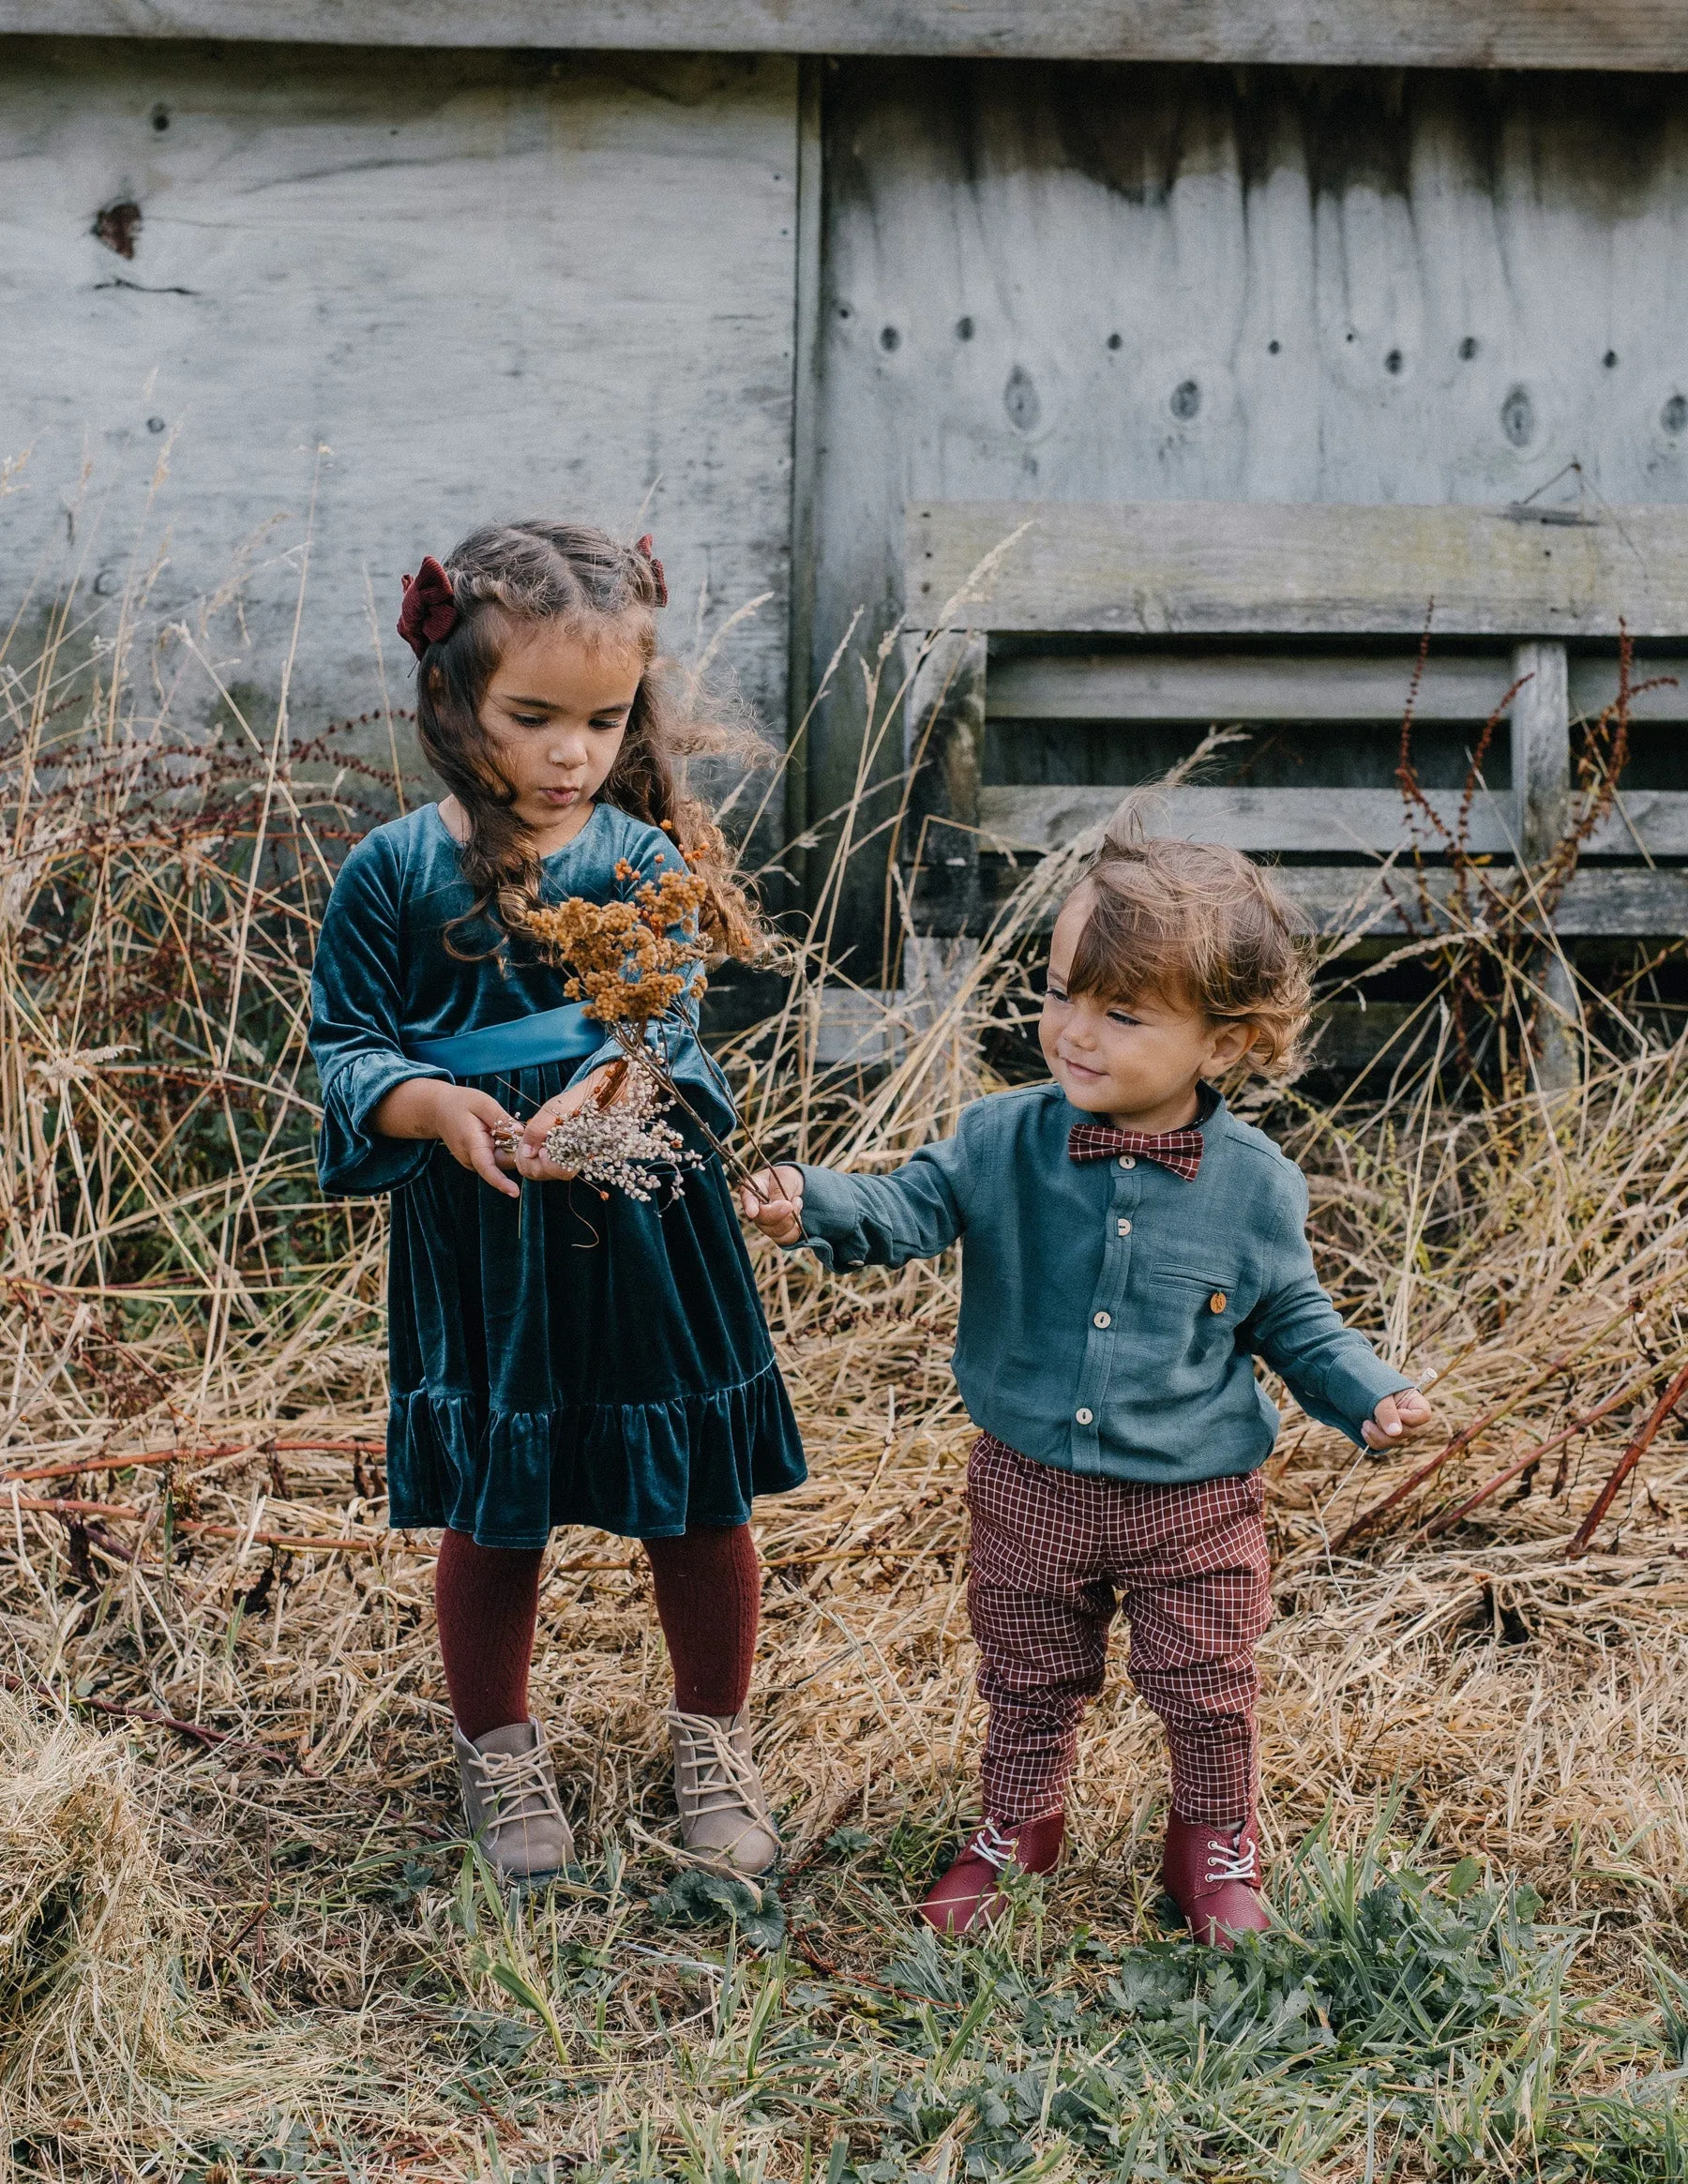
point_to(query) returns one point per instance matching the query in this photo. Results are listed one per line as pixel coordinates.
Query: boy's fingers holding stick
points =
(1395, 1419)
(774, 1200)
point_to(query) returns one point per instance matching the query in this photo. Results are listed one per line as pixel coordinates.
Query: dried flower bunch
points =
(629, 962)
(614, 1141)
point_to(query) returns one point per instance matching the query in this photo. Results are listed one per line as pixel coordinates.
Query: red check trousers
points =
(1054, 1558)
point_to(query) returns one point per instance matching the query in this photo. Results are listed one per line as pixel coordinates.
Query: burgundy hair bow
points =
(647, 547)
(429, 613)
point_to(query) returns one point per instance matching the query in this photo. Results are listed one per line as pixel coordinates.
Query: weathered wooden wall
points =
(1472, 34)
(487, 284)
(1052, 283)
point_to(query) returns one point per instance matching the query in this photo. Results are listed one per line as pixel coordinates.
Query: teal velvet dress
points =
(577, 1360)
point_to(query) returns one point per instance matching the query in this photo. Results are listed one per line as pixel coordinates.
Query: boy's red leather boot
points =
(971, 1893)
(1212, 1873)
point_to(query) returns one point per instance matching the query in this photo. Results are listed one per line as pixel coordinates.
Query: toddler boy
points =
(1129, 1248)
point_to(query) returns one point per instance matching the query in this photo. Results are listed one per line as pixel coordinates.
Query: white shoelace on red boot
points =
(1231, 1861)
(991, 1846)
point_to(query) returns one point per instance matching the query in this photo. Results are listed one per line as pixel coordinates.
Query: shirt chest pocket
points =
(1203, 1296)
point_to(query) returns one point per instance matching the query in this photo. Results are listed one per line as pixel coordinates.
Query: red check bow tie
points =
(1179, 1150)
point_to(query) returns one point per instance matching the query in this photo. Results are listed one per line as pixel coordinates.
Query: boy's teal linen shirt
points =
(1111, 1312)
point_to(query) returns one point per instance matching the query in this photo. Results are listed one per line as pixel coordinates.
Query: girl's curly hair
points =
(1196, 922)
(541, 572)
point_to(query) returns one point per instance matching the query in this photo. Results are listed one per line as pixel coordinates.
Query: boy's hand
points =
(774, 1202)
(1396, 1419)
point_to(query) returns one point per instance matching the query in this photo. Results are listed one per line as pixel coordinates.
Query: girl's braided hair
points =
(1196, 922)
(608, 592)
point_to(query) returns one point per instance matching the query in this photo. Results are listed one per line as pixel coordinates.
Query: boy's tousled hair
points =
(1200, 923)
(608, 592)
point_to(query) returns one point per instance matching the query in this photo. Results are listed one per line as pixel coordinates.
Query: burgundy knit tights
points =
(487, 1600)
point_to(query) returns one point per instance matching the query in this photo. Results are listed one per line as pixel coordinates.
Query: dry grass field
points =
(240, 1935)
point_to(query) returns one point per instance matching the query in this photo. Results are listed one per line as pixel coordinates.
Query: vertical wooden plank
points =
(806, 350)
(1541, 757)
(943, 744)
(1541, 748)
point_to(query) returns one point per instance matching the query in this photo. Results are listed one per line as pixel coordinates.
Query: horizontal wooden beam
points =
(1197, 568)
(1311, 687)
(1308, 822)
(1595, 687)
(1300, 821)
(1260, 687)
(1611, 905)
(1595, 905)
(1393, 34)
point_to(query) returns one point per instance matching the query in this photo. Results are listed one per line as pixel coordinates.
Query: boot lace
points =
(722, 1778)
(518, 1786)
(992, 1845)
(1232, 1861)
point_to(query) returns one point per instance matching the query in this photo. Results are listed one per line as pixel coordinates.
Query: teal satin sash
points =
(565, 1034)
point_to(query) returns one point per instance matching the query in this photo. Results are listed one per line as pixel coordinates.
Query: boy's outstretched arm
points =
(866, 1220)
(1331, 1369)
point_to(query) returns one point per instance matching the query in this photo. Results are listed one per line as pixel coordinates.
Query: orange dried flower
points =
(629, 961)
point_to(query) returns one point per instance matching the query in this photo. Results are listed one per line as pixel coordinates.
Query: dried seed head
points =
(618, 1146)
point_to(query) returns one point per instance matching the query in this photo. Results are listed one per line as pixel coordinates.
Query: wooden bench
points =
(1182, 613)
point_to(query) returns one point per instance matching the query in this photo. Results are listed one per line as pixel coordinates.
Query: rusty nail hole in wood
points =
(118, 225)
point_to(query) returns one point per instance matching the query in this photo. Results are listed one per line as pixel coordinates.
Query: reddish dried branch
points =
(1533, 1456)
(1414, 1480)
(1625, 1464)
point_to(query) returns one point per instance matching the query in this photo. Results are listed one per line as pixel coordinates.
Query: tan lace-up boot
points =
(724, 1814)
(510, 1802)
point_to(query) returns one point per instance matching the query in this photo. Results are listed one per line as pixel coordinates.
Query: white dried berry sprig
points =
(615, 1147)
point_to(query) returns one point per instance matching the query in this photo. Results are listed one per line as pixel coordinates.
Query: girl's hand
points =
(774, 1202)
(464, 1121)
(1396, 1419)
(604, 1085)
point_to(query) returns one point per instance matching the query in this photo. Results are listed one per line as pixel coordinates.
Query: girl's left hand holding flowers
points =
(526, 1153)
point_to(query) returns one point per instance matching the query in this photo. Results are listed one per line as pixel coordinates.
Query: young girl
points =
(557, 1358)
(1129, 1248)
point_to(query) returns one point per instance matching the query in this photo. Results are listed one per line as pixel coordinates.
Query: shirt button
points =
(1084, 1417)
(1128, 1160)
(1102, 1320)
(1124, 1227)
